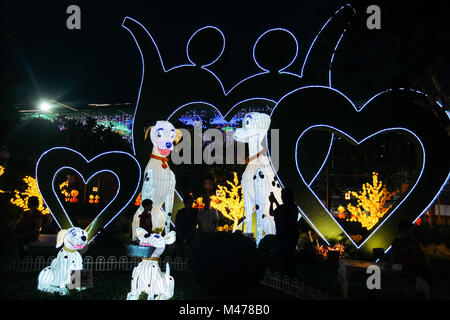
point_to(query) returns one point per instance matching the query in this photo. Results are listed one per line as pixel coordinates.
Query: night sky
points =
(100, 63)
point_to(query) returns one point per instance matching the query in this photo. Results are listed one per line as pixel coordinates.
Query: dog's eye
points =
(248, 123)
(159, 134)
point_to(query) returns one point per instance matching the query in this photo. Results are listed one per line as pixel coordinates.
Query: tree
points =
(371, 206)
(230, 202)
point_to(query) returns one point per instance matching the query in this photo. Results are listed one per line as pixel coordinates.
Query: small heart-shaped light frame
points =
(122, 165)
(392, 110)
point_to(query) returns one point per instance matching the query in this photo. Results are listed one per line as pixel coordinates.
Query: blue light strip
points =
(221, 51)
(317, 36)
(223, 48)
(293, 60)
(332, 57)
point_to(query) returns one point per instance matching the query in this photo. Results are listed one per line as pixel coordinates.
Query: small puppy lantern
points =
(55, 277)
(147, 276)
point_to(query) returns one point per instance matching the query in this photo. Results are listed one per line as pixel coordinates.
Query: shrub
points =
(225, 264)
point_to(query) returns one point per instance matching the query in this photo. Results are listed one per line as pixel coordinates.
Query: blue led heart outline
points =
(94, 174)
(358, 143)
(366, 103)
(85, 182)
(349, 137)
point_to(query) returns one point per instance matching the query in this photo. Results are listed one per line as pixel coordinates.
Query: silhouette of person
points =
(416, 269)
(186, 222)
(285, 216)
(145, 219)
(28, 228)
(208, 217)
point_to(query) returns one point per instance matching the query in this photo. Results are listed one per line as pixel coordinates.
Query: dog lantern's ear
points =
(140, 233)
(178, 135)
(170, 237)
(60, 237)
(147, 131)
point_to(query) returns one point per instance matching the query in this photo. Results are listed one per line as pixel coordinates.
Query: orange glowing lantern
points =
(341, 214)
(97, 199)
(138, 200)
(74, 196)
(91, 198)
(198, 203)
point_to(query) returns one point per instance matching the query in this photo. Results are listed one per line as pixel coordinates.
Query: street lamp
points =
(47, 105)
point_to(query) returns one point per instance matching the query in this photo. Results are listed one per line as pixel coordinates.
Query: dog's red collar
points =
(162, 159)
(254, 156)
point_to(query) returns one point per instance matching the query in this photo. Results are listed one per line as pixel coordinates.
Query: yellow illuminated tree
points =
(230, 202)
(21, 197)
(371, 206)
(2, 171)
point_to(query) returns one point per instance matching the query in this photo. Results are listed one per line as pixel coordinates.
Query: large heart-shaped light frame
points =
(391, 110)
(122, 165)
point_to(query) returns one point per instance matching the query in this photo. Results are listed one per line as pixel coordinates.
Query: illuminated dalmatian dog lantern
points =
(159, 180)
(147, 276)
(55, 277)
(258, 179)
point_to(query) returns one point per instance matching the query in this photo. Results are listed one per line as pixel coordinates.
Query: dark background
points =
(100, 63)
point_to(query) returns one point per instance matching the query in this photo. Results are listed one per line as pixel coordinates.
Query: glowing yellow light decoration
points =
(230, 202)
(21, 198)
(371, 205)
(323, 250)
(2, 171)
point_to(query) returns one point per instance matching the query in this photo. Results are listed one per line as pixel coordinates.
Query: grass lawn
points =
(114, 285)
(323, 276)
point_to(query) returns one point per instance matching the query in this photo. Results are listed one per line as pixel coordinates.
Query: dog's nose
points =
(83, 238)
(168, 144)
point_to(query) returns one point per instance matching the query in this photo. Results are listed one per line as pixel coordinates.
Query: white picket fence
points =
(124, 263)
(293, 287)
(100, 263)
